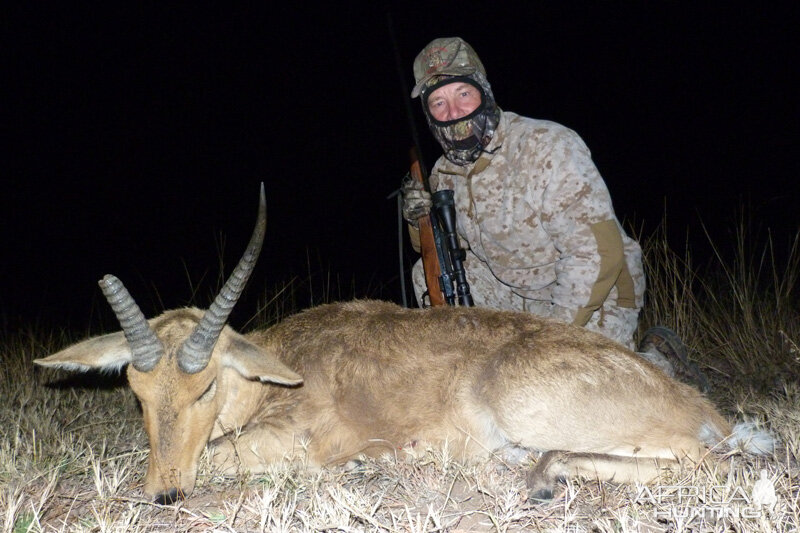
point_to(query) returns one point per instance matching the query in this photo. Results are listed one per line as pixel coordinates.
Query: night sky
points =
(136, 137)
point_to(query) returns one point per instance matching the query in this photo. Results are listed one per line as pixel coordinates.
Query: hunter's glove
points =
(416, 201)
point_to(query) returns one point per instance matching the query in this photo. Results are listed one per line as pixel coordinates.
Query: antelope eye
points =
(208, 394)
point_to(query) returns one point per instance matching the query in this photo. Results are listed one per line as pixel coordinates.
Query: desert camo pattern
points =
(541, 231)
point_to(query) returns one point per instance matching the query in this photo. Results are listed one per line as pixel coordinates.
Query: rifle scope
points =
(446, 208)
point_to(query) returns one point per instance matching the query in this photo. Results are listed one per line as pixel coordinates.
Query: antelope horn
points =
(195, 352)
(146, 349)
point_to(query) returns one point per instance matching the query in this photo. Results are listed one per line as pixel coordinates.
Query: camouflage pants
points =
(617, 323)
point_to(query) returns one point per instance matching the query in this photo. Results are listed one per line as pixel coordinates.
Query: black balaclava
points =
(464, 139)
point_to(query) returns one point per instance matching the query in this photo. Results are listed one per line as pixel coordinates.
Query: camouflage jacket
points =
(535, 209)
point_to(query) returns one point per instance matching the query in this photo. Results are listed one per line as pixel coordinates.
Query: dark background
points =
(135, 137)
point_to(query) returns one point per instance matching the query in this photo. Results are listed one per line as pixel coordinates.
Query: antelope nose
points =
(169, 497)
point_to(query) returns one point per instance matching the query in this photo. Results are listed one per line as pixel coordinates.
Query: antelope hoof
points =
(539, 487)
(169, 497)
(541, 495)
(540, 481)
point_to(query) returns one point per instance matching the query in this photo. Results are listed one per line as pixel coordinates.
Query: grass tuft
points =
(738, 313)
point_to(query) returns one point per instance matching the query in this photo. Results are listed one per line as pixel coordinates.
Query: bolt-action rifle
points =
(442, 257)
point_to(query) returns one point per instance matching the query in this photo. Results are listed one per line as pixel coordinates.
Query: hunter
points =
(533, 212)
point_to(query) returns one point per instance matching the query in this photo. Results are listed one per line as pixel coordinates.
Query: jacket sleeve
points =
(578, 215)
(413, 233)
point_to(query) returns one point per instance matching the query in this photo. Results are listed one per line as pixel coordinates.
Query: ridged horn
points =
(145, 346)
(195, 352)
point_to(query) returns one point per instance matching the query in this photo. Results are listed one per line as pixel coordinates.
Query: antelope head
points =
(186, 367)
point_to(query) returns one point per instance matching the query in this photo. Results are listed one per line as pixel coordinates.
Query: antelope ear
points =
(106, 352)
(253, 362)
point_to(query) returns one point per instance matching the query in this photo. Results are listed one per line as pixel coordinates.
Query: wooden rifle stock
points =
(427, 242)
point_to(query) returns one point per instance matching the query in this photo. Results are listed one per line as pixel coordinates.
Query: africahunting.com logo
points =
(685, 503)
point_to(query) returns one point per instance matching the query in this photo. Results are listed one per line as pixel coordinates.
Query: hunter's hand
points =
(416, 201)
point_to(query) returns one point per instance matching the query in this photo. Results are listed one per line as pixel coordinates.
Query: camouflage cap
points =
(446, 56)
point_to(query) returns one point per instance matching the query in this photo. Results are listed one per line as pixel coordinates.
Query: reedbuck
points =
(369, 377)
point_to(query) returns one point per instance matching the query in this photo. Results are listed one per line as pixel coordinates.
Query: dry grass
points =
(738, 313)
(73, 450)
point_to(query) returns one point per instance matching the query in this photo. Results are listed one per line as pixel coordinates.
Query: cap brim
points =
(454, 71)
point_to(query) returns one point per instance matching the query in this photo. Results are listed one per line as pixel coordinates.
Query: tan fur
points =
(376, 376)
